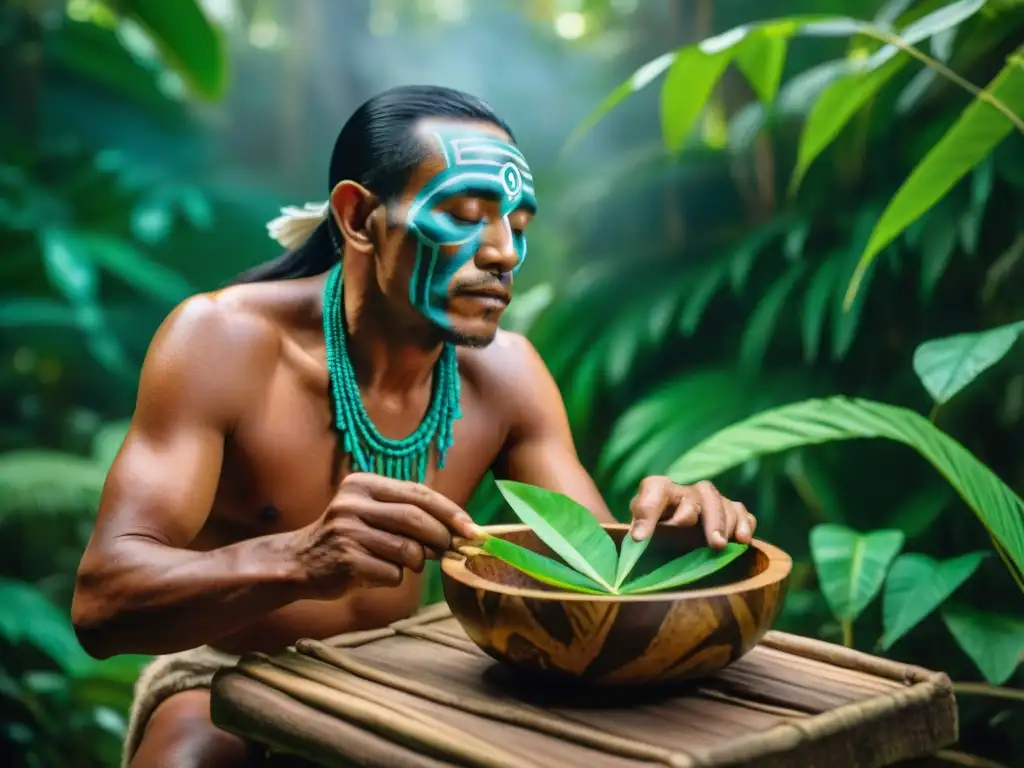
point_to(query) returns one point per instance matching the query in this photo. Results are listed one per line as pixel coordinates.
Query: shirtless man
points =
(249, 506)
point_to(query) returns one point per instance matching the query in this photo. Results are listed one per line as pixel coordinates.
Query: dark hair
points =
(378, 148)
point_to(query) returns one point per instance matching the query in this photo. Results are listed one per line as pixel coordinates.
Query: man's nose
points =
(497, 251)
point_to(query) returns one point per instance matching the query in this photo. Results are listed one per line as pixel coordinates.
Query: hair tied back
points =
(294, 226)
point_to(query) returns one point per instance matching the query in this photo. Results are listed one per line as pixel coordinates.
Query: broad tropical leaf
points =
(542, 568)
(852, 566)
(685, 569)
(630, 551)
(761, 58)
(919, 584)
(975, 134)
(945, 366)
(649, 436)
(833, 111)
(995, 642)
(690, 81)
(838, 418)
(568, 528)
(186, 39)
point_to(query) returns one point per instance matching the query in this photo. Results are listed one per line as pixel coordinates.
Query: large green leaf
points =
(945, 366)
(919, 584)
(29, 617)
(852, 566)
(542, 568)
(975, 134)
(187, 40)
(690, 81)
(995, 642)
(833, 111)
(838, 418)
(685, 569)
(569, 528)
(843, 99)
(761, 57)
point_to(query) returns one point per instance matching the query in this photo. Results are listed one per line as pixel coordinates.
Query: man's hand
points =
(375, 528)
(661, 500)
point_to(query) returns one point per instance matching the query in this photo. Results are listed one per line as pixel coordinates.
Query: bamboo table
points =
(419, 694)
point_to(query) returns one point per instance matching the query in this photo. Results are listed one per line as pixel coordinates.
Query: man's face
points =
(457, 234)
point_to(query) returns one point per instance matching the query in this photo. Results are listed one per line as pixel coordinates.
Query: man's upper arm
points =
(203, 368)
(540, 449)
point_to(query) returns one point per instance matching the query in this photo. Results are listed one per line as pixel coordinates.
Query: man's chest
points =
(284, 462)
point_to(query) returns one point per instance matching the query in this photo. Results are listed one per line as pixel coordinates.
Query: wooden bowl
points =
(617, 640)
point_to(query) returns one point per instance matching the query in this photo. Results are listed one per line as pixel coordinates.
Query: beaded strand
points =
(409, 457)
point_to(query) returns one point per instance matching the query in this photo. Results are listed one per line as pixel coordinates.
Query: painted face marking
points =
(474, 164)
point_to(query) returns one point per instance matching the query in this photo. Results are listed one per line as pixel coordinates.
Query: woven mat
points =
(420, 694)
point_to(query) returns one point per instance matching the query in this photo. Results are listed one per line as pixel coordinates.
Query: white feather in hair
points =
(295, 225)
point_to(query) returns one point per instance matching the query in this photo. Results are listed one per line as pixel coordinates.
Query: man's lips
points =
(485, 294)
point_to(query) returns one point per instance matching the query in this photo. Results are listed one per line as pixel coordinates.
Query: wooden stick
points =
(410, 728)
(340, 662)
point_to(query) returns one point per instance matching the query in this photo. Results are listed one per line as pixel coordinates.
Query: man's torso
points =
(283, 464)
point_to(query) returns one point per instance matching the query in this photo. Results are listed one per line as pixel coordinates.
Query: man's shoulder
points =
(215, 353)
(233, 321)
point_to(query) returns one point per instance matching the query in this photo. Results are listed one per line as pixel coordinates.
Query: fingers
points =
(745, 523)
(386, 489)
(399, 550)
(408, 521)
(370, 571)
(656, 494)
(687, 513)
(718, 516)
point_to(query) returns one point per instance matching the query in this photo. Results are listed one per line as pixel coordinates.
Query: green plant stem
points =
(992, 691)
(949, 74)
(933, 414)
(847, 628)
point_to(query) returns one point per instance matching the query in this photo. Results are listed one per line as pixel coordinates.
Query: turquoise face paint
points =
(475, 164)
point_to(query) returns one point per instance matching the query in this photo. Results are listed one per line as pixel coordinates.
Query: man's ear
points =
(352, 205)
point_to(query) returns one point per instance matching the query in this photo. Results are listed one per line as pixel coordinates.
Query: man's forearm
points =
(151, 598)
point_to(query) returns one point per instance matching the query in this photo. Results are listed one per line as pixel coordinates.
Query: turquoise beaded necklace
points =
(405, 459)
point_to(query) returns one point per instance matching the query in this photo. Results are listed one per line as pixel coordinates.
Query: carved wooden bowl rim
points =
(779, 566)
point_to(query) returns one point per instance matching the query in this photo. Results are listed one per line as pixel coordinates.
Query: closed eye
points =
(463, 219)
